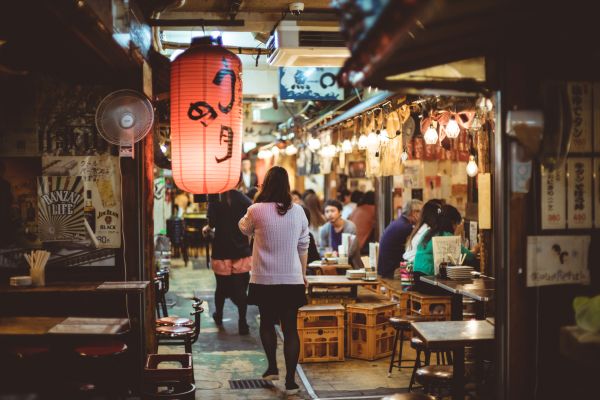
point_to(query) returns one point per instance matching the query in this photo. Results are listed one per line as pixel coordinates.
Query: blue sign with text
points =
(309, 83)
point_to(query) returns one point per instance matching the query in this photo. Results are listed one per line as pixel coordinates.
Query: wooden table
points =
(74, 287)
(37, 326)
(455, 335)
(337, 280)
(317, 266)
(479, 289)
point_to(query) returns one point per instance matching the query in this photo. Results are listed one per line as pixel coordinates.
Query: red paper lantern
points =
(206, 118)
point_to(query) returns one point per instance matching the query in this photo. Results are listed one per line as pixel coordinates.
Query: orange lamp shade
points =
(206, 118)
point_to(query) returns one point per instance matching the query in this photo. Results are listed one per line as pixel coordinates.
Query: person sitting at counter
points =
(391, 245)
(330, 234)
(428, 216)
(448, 223)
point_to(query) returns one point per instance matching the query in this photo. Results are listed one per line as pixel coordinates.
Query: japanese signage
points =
(309, 83)
(101, 191)
(60, 208)
(580, 101)
(579, 189)
(554, 199)
(557, 260)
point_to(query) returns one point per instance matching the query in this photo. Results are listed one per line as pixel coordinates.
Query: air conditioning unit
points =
(307, 44)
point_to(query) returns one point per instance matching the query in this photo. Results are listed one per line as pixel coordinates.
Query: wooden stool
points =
(99, 365)
(442, 358)
(178, 381)
(401, 325)
(25, 361)
(179, 321)
(181, 334)
(436, 379)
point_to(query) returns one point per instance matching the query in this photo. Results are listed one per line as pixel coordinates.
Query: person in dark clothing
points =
(313, 252)
(231, 254)
(6, 233)
(393, 240)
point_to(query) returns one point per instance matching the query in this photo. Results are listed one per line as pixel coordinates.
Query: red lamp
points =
(206, 118)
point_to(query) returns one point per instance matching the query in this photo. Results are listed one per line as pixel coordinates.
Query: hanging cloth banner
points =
(101, 190)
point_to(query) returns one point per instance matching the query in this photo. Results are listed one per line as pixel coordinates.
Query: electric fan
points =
(123, 118)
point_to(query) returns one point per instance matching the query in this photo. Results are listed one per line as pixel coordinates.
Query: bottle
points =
(89, 212)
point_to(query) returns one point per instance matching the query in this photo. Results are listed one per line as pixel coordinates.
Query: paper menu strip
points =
(579, 193)
(554, 199)
(484, 202)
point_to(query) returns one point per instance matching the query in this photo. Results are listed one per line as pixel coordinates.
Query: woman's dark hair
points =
(342, 194)
(334, 203)
(276, 189)
(297, 193)
(307, 212)
(447, 218)
(429, 215)
(356, 196)
(307, 193)
(367, 199)
(312, 202)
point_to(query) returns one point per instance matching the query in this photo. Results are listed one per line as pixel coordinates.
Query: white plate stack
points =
(459, 272)
(355, 273)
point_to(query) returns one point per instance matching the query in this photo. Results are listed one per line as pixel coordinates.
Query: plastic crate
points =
(370, 335)
(321, 331)
(435, 306)
(370, 314)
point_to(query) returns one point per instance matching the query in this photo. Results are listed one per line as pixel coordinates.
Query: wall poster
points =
(580, 101)
(557, 260)
(60, 208)
(554, 199)
(101, 192)
(579, 193)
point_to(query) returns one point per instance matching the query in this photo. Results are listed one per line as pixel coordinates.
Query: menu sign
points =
(60, 208)
(580, 101)
(554, 199)
(579, 189)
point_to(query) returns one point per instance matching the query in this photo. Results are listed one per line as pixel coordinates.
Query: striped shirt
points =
(279, 240)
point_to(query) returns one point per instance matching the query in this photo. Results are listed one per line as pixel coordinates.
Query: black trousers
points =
(235, 287)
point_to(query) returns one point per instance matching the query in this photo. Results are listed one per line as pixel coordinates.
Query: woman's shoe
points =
(218, 319)
(271, 375)
(291, 388)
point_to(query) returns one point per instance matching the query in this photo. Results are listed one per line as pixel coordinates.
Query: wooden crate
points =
(434, 306)
(370, 335)
(321, 331)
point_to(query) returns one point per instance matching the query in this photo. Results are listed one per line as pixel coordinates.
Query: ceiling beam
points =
(188, 22)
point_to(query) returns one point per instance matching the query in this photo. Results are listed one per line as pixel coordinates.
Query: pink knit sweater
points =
(279, 240)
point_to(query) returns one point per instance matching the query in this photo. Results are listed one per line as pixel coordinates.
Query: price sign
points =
(579, 189)
(554, 199)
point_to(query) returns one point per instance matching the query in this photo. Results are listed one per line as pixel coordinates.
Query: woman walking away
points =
(277, 284)
(231, 255)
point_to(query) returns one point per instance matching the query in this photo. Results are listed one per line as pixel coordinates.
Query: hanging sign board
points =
(554, 199)
(60, 208)
(102, 192)
(579, 193)
(580, 101)
(557, 260)
(309, 83)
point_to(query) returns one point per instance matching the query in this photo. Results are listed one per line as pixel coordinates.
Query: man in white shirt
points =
(248, 179)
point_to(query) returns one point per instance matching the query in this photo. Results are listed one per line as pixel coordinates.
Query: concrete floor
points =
(221, 354)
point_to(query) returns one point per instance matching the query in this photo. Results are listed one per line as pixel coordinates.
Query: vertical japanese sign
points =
(579, 189)
(580, 100)
(60, 208)
(554, 199)
(101, 192)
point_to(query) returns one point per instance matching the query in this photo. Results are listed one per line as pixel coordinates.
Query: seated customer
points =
(429, 214)
(448, 223)
(330, 234)
(365, 220)
(394, 238)
(313, 252)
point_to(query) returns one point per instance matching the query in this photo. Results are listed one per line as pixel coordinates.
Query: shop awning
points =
(361, 107)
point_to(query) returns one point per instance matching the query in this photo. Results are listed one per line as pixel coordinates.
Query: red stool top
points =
(101, 348)
(179, 321)
(28, 351)
(174, 330)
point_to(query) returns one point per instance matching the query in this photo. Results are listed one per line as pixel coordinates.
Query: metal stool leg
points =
(394, 353)
(414, 371)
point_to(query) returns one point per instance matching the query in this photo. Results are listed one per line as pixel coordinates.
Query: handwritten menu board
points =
(554, 199)
(580, 101)
(579, 193)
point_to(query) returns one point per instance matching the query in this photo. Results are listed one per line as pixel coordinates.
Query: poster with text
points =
(580, 101)
(309, 83)
(554, 199)
(557, 260)
(102, 192)
(60, 208)
(579, 193)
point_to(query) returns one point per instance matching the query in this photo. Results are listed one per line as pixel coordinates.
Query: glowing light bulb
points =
(431, 135)
(347, 146)
(264, 154)
(452, 129)
(291, 150)
(404, 156)
(373, 142)
(383, 137)
(354, 142)
(472, 168)
(314, 144)
(328, 151)
(275, 151)
(362, 142)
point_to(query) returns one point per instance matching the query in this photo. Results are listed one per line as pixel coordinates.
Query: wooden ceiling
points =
(250, 5)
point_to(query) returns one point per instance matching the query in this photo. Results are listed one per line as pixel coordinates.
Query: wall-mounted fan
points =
(123, 118)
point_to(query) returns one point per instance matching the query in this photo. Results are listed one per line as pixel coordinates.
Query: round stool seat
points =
(409, 396)
(174, 320)
(404, 322)
(28, 351)
(105, 348)
(174, 331)
(416, 343)
(435, 373)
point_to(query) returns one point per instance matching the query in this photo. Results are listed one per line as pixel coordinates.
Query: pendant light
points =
(275, 151)
(431, 135)
(314, 144)
(373, 142)
(347, 146)
(291, 150)
(472, 168)
(452, 128)
(404, 156)
(362, 142)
